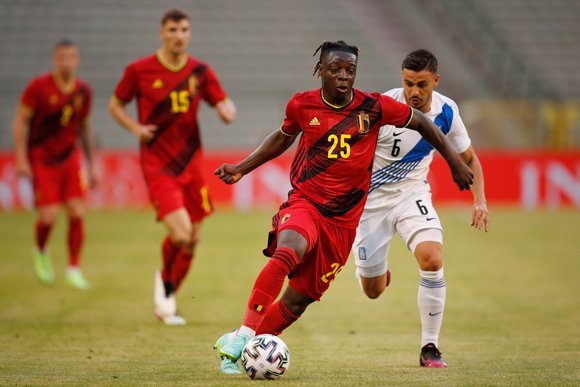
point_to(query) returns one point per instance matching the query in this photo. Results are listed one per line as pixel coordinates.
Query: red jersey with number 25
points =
(169, 98)
(333, 162)
(56, 118)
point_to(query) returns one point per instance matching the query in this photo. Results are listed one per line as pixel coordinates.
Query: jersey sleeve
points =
(213, 93)
(394, 112)
(458, 135)
(290, 126)
(127, 87)
(31, 95)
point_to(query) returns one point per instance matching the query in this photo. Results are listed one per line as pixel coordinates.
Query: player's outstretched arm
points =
(462, 175)
(88, 143)
(271, 147)
(480, 215)
(21, 119)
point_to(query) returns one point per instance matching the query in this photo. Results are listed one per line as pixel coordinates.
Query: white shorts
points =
(413, 218)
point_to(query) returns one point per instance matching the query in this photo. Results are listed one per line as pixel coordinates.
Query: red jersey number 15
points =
(179, 101)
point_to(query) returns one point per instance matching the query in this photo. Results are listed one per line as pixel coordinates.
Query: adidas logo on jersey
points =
(158, 84)
(314, 122)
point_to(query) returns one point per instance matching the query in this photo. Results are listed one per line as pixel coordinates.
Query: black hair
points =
(327, 47)
(420, 60)
(174, 14)
(64, 43)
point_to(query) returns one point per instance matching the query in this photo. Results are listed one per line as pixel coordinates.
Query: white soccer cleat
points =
(165, 307)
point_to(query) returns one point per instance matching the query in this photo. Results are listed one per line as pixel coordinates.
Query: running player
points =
(314, 230)
(169, 86)
(399, 199)
(53, 113)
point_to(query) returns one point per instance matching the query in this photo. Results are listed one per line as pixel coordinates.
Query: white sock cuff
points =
(247, 331)
(432, 275)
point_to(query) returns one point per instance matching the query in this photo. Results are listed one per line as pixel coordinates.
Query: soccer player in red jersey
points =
(330, 175)
(53, 113)
(169, 86)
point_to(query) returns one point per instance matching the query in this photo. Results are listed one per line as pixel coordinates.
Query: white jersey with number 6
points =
(403, 157)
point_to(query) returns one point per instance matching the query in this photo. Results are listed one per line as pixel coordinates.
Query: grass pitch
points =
(512, 315)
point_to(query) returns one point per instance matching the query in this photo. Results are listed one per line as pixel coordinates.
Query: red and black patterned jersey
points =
(333, 162)
(56, 118)
(169, 98)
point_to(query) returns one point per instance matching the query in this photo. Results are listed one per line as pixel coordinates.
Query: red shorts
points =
(328, 246)
(55, 184)
(169, 194)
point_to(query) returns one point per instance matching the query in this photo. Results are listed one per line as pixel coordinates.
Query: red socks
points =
(42, 232)
(76, 237)
(176, 264)
(180, 268)
(278, 317)
(169, 253)
(268, 285)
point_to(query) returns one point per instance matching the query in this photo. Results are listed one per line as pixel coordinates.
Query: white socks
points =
(431, 301)
(247, 331)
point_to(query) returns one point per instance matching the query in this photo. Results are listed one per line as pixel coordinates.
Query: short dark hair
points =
(327, 47)
(420, 60)
(64, 43)
(174, 14)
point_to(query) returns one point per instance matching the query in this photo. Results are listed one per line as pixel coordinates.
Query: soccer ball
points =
(265, 357)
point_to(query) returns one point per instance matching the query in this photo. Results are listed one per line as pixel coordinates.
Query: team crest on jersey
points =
(285, 218)
(314, 122)
(53, 99)
(193, 84)
(157, 84)
(364, 122)
(78, 102)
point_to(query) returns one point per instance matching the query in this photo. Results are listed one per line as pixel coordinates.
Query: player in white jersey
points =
(399, 199)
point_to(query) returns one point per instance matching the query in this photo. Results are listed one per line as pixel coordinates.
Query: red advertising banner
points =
(525, 179)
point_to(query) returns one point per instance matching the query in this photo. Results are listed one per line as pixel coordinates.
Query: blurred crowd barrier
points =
(526, 123)
(525, 179)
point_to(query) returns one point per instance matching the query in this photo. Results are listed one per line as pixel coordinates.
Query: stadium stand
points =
(262, 51)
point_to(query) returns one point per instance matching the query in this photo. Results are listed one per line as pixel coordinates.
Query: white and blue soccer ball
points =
(265, 357)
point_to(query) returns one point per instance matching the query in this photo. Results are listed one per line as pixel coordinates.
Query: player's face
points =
(66, 59)
(175, 36)
(338, 71)
(418, 87)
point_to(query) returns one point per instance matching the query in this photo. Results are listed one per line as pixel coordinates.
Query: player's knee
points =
(431, 261)
(183, 240)
(373, 292)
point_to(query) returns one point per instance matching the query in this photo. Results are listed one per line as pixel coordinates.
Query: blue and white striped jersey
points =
(403, 156)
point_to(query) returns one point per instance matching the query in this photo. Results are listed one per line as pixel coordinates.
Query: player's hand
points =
(480, 217)
(228, 173)
(462, 175)
(226, 110)
(94, 177)
(23, 168)
(146, 133)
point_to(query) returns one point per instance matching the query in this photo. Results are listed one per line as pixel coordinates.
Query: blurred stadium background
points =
(511, 66)
(512, 315)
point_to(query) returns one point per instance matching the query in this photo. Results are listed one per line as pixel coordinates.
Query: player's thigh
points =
(47, 182)
(75, 207)
(373, 239)
(166, 194)
(48, 213)
(178, 225)
(417, 214)
(323, 262)
(74, 182)
(197, 200)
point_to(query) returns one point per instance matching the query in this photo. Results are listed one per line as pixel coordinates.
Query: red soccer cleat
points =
(431, 357)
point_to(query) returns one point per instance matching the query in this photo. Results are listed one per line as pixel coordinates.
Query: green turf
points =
(512, 316)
